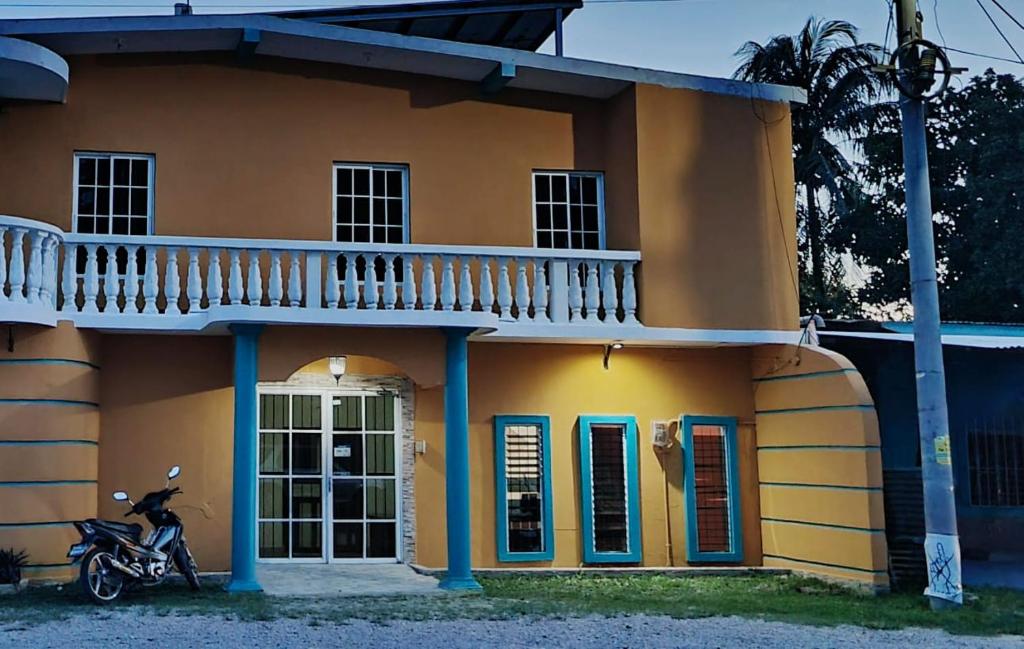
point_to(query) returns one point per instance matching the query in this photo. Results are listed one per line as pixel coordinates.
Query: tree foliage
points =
(828, 62)
(975, 146)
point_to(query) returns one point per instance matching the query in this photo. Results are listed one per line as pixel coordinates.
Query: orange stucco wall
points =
(169, 400)
(247, 152)
(809, 480)
(820, 466)
(50, 431)
(564, 382)
(717, 225)
(179, 411)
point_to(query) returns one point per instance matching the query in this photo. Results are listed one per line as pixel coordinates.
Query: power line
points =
(1008, 14)
(938, 25)
(996, 25)
(984, 56)
(888, 28)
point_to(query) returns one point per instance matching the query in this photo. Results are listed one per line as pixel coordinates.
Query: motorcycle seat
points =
(133, 530)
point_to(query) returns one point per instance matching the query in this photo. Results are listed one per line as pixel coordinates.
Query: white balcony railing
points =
(29, 252)
(189, 282)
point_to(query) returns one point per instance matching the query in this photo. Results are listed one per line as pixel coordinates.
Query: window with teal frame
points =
(711, 485)
(610, 489)
(522, 457)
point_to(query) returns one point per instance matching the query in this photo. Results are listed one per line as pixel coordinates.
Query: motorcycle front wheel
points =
(186, 565)
(101, 581)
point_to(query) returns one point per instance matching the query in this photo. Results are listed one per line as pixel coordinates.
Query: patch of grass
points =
(789, 599)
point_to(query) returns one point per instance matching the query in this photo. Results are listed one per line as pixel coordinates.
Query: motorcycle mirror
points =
(120, 496)
(174, 472)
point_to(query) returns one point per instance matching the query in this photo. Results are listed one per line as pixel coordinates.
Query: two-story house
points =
(392, 286)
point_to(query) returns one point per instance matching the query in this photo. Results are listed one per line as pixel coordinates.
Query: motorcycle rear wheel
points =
(101, 582)
(186, 565)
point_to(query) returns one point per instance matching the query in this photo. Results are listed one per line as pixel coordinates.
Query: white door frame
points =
(327, 479)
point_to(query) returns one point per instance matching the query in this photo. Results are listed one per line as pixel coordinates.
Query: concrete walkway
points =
(344, 580)
(1003, 570)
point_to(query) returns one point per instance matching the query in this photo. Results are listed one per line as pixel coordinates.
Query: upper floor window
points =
(568, 209)
(113, 193)
(371, 203)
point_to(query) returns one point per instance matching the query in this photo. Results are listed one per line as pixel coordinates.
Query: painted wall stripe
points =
(48, 402)
(47, 361)
(46, 483)
(48, 442)
(48, 566)
(796, 485)
(827, 565)
(785, 411)
(820, 447)
(848, 528)
(10, 526)
(809, 375)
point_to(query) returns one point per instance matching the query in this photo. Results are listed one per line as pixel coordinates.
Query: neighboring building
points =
(985, 396)
(219, 204)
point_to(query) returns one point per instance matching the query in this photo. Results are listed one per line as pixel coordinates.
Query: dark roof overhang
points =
(514, 24)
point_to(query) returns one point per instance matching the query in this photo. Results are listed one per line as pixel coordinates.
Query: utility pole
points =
(915, 76)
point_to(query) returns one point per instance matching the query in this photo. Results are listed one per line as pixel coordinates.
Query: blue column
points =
(456, 461)
(243, 492)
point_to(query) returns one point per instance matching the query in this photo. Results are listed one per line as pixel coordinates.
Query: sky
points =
(694, 36)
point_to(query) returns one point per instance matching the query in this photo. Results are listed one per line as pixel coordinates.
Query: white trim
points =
(956, 340)
(567, 174)
(28, 313)
(111, 156)
(635, 335)
(32, 72)
(8, 221)
(215, 319)
(370, 166)
(332, 246)
(326, 431)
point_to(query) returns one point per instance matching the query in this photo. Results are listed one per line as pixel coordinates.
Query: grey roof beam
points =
(247, 45)
(497, 79)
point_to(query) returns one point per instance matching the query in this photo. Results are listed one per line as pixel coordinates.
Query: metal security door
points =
(290, 476)
(364, 516)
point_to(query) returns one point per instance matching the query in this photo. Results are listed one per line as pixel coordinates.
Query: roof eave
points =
(314, 41)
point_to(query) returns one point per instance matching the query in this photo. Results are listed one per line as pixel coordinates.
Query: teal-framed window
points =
(522, 454)
(609, 489)
(711, 484)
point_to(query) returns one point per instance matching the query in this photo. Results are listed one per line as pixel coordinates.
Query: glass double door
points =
(328, 475)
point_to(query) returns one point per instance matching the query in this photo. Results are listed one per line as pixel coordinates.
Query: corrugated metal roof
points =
(984, 342)
(960, 334)
(514, 24)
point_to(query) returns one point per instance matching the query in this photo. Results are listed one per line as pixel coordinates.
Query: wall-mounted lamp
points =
(337, 365)
(617, 344)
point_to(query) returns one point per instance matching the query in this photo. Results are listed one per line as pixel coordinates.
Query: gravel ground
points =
(170, 632)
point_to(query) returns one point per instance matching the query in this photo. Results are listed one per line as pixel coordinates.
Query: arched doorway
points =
(335, 465)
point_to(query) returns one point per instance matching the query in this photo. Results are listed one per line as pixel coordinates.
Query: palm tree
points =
(835, 70)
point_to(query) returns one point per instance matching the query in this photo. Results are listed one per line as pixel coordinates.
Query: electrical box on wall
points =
(661, 436)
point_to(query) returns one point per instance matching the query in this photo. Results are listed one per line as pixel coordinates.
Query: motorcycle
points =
(114, 556)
